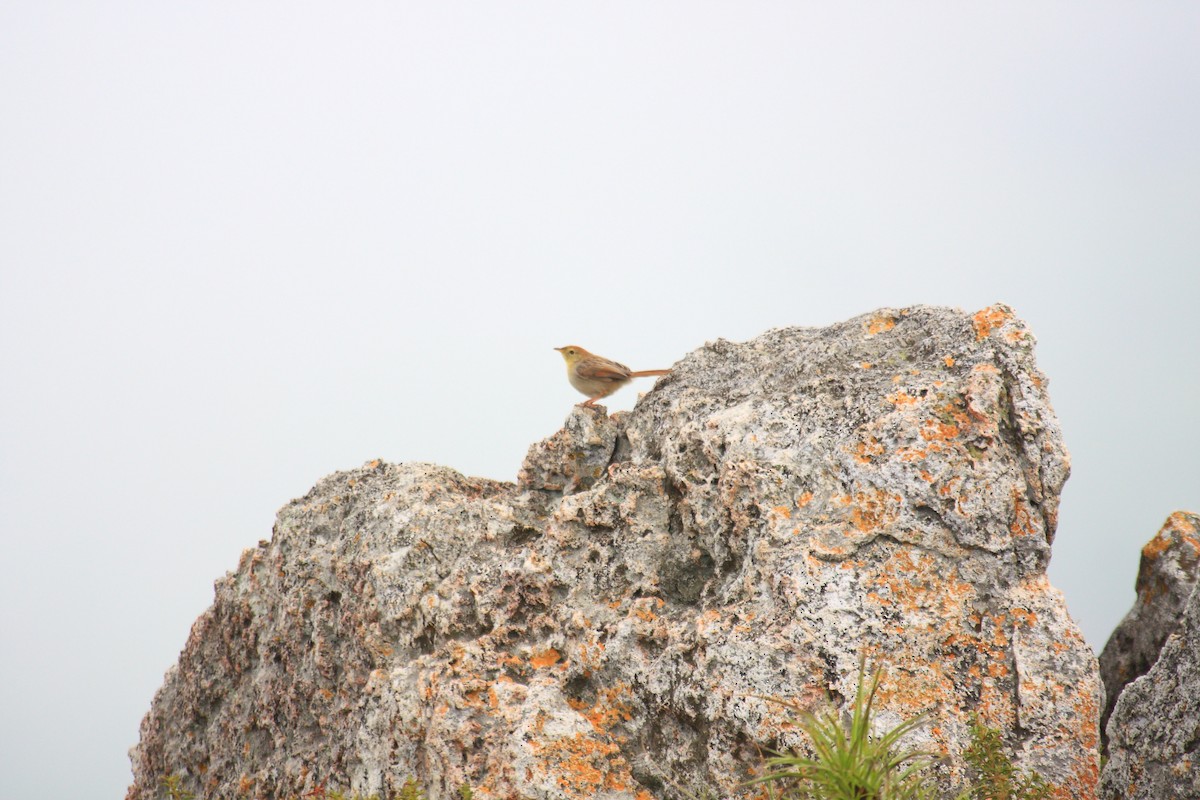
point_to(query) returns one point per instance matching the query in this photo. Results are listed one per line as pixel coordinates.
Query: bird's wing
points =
(602, 369)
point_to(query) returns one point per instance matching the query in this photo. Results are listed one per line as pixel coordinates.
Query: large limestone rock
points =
(1151, 669)
(609, 626)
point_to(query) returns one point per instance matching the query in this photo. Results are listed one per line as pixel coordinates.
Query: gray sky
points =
(243, 245)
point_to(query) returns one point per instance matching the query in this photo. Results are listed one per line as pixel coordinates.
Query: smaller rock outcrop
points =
(1151, 672)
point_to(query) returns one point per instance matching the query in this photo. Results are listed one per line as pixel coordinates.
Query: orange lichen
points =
(988, 319)
(1085, 776)
(1023, 523)
(590, 653)
(913, 692)
(948, 361)
(910, 454)
(935, 430)
(1022, 617)
(643, 608)
(917, 584)
(872, 510)
(955, 411)
(1181, 526)
(1015, 335)
(931, 600)
(783, 511)
(867, 451)
(584, 765)
(901, 398)
(609, 708)
(546, 658)
(804, 499)
(643, 612)
(1177, 532)
(880, 324)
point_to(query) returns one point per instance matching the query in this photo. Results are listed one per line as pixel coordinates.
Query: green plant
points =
(997, 777)
(410, 791)
(173, 784)
(850, 763)
(321, 793)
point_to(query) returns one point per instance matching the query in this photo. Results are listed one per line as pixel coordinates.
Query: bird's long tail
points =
(646, 373)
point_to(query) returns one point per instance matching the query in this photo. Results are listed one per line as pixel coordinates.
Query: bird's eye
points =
(571, 351)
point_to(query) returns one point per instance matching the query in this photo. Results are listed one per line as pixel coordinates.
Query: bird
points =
(597, 376)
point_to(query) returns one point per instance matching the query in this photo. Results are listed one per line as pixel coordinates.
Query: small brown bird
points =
(595, 375)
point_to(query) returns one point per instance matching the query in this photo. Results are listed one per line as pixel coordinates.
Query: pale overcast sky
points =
(243, 245)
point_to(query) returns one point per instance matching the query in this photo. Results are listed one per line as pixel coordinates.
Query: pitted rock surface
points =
(1151, 668)
(613, 625)
(1167, 576)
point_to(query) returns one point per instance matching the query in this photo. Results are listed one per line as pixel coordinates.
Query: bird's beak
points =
(559, 349)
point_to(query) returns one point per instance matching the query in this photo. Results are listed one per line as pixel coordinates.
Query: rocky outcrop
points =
(611, 625)
(1151, 671)
(1166, 577)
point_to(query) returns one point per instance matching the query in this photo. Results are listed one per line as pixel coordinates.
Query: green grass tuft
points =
(849, 763)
